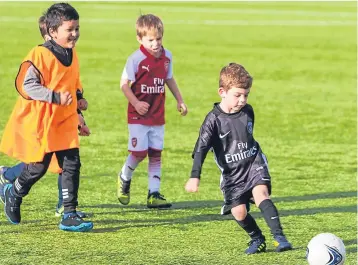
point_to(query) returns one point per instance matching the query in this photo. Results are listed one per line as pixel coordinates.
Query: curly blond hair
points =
(234, 75)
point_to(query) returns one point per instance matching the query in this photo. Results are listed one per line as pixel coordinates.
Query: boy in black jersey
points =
(228, 130)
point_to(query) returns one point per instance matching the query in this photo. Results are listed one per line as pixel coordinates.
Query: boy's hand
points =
(66, 98)
(81, 120)
(84, 131)
(192, 185)
(82, 104)
(182, 108)
(142, 107)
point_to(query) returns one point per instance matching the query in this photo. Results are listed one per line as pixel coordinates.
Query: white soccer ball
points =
(326, 249)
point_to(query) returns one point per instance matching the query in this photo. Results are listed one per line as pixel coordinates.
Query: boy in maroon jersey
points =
(143, 81)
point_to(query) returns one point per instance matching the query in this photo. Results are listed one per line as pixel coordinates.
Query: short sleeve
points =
(129, 70)
(170, 69)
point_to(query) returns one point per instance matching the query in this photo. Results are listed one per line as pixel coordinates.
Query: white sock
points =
(154, 173)
(129, 167)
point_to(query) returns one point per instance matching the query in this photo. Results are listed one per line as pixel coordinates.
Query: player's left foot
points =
(256, 245)
(281, 243)
(3, 182)
(71, 222)
(157, 200)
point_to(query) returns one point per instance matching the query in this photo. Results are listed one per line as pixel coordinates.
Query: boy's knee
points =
(37, 169)
(139, 155)
(260, 193)
(239, 212)
(73, 164)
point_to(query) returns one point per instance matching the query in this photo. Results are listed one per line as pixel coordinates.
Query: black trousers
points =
(69, 161)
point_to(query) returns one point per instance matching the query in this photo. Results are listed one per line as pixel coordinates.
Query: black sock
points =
(270, 213)
(250, 226)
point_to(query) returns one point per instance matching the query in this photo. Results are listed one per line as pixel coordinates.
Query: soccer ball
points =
(326, 249)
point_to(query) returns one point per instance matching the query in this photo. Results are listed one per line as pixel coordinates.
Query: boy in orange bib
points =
(9, 174)
(45, 120)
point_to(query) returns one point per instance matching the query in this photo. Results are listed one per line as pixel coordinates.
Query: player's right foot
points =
(12, 205)
(123, 191)
(281, 243)
(3, 182)
(73, 223)
(157, 200)
(256, 245)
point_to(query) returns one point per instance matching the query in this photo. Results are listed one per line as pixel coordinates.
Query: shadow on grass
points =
(351, 249)
(31, 225)
(319, 196)
(219, 203)
(176, 205)
(194, 205)
(198, 218)
(351, 245)
(151, 222)
(350, 242)
(178, 223)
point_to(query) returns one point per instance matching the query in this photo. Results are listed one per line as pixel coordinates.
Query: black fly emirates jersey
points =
(237, 154)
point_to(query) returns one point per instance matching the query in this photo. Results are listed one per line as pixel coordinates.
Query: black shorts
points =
(243, 195)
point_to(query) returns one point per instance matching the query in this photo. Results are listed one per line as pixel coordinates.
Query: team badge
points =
(249, 127)
(166, 66)
(134, 142)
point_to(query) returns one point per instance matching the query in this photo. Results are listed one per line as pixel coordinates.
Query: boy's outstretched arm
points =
(172, 85)
(201, 149)
(140, 106)
(36, 91)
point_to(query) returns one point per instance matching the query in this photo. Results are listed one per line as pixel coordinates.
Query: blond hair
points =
(234, 75)
(149, 23)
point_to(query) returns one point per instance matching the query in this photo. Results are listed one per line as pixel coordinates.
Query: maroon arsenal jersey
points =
(147, 75)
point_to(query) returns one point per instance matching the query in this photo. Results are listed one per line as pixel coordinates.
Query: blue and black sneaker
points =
(73, 223)
(3, 182)
(12, 205)
(256, 245)
(281, 243)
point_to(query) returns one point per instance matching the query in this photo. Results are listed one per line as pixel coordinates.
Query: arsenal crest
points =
(134, 142)
(249, 127)
(166, 65)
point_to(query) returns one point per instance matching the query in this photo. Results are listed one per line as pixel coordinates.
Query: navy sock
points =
(270, 213)
(250, 226)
